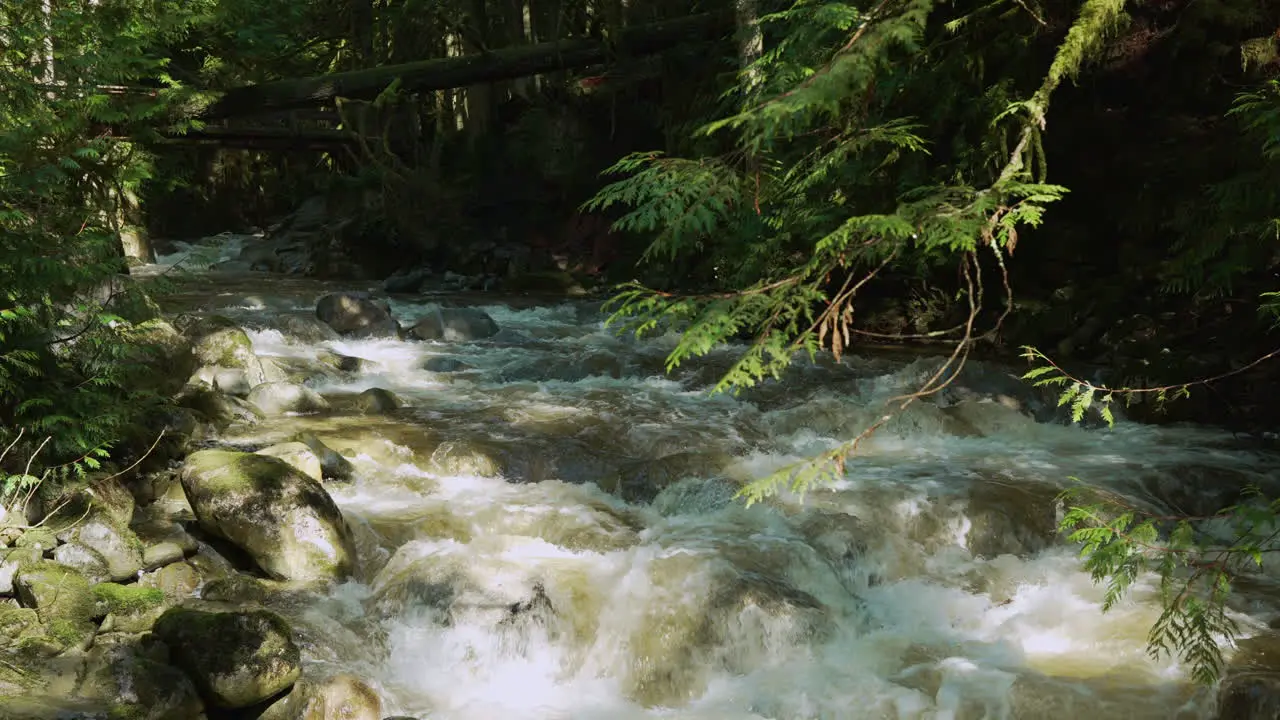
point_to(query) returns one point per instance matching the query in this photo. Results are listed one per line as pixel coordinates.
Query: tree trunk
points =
(456, 72)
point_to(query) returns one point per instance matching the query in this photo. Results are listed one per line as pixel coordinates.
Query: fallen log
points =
(444, 73)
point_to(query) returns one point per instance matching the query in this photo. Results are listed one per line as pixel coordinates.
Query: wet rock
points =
(340, 362)
(459, 457)
(357, 315)
(1016, 518)
(376, 401)
(278, 398)
(299, 455)
(232, 381)
(454, 325)
(305, 328)
(445, 365)
(283, 519)
(1250, 687)
(407, 280)
(341, 697)
(138, 682)
(236, 659)
(333, 466)
(217, 409)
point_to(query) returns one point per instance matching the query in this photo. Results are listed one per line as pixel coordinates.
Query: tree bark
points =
(445, 73)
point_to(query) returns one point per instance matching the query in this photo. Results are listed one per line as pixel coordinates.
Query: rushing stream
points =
(547, 530)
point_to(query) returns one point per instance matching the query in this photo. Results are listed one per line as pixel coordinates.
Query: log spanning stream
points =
(547, 530)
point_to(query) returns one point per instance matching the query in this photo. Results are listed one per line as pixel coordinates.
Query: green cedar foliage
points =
(830, 177)
(70, 373)
(1196, 558)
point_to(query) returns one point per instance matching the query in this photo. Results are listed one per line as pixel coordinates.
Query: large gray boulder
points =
(359, 315)
(454, 325)
(283, 519)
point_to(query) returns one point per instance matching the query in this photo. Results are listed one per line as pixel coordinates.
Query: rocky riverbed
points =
(469, 508)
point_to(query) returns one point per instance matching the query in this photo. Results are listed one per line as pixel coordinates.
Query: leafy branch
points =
(1120, 543)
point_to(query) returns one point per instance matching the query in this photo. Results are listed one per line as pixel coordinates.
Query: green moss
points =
(66, 632)
(127, 598)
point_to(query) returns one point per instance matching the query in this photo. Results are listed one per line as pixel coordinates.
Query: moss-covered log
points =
(442, 73)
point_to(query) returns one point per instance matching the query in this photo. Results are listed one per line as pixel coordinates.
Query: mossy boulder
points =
(227, 346)
(283, 519)
(129, 608)
(63, 600)
(236, 659)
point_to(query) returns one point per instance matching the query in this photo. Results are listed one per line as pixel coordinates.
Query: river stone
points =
(228, 347)
(340, 362)
(177, 581)
(299, 455)
(41, 539)
(376, 401)
(135, 677)
(306, 328)
(86, 561)
(236, 659)
(278, 398)
(285, 520)
(232, 381)
(454, 325)
(165, 541)
(357, 315)
(341, 697)
(11, 560)
(117, 545)
(333, 466)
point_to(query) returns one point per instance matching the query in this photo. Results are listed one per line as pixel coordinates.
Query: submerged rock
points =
(454, 325)
(236, 659)
(376, 401)
(283, 519)
(357, 315)
(278, 398)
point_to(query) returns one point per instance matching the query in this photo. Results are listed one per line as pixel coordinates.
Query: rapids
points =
(550, 531)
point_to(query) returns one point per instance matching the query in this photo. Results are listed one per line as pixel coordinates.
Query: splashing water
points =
(549, 531)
